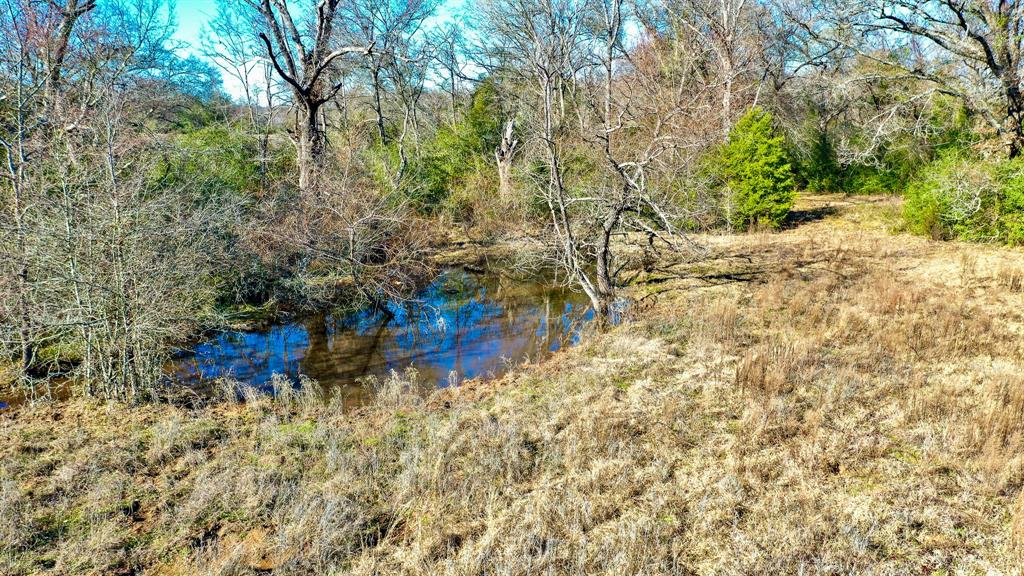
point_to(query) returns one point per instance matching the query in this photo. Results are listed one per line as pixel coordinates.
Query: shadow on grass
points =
(799, 217)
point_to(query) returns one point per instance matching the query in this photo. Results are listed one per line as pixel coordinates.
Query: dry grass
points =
(830, 399)
(1011, 279)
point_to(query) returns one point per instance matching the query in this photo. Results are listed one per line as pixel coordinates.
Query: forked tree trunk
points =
(603, 281)
(304, 68)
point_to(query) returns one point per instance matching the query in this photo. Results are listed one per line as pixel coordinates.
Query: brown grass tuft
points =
(997, 433)
(1011, 279)
(769, 370)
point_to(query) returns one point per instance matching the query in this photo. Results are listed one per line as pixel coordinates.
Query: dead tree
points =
(504, 155)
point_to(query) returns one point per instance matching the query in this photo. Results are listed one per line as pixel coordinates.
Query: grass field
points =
(830, 399)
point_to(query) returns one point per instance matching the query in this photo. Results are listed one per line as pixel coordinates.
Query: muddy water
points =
(464, 325)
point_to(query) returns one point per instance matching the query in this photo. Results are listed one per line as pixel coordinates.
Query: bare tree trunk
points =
(1014, 126)
(70, 13)
(504, 155)
(605, 284)
(312, 144)
(603, 274)
(378, 107)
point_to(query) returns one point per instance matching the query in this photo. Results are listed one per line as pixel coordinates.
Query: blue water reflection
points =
(463, 325)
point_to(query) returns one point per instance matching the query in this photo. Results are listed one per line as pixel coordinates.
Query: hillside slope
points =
(828, 399)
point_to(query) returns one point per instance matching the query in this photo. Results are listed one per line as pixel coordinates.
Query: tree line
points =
(143, 205)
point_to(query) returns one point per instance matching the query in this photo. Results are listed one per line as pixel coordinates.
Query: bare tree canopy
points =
(302, 61)
(970, 50)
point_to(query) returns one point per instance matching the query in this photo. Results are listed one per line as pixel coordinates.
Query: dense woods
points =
(143, 204)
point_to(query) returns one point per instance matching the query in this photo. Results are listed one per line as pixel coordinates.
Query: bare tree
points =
(388, 27)
(728, 29)
(21, 90)
(591, 101)
(544, 42)
(228, 42)
(68, 14)
(137, 259)
(449, 44)
(302, 61)
(409, 74)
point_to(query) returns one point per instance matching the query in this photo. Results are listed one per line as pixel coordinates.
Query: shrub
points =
(755, 173)
(215, 160)
(873, 167)
(869, 179)
(951, 198)
(820, 171)
(964, 197)
(1011, 201)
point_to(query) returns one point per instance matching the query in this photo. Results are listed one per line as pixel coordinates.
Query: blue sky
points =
(193, 14)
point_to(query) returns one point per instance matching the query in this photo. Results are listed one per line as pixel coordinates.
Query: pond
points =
(463, 325)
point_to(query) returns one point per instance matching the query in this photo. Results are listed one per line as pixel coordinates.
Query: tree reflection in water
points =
(463, 325)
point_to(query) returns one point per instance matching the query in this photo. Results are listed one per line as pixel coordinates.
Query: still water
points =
(463, 325)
